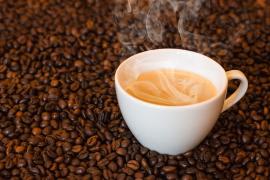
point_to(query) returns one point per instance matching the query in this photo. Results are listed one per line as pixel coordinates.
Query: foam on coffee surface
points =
(171, 87)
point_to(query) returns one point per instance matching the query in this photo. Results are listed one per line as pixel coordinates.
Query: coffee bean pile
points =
(59, 117)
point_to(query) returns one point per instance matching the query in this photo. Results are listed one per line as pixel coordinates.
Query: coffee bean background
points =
(59, 117)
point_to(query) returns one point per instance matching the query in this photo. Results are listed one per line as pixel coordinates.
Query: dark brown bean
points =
(171, 176)
(45, 116)
(89, 24)
(186, 177)
(36, 131)
(112, 166)
(133, 164)
(94, 171)
(121, 151)
(139, 175)
(125, 143)
(54, 82)
(20, 149)
(80, 170)
(150, 177)
(107, 174)
(128, 171)
(169, 169)
(92, 141)
(76, 149)
(111, 156)
(121, 176)
(224, 159)
(102, 163)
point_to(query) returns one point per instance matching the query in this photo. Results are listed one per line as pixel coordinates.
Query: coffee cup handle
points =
(240, 91)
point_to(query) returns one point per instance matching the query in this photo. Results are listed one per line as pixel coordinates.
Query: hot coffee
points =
(171, 87)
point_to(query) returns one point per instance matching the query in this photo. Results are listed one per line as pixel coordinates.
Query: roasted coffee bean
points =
(125, 143)
(20, 163)
(102, 163)
(171, 176)
(75, 86)
(76, 148)
(80, 170)
(143, 150)
(186, 177)
(36, 131)
(121, 176)
(54, 83)
(150, 177)
(246, 138)
(121, 151)
(220, 166)
(108, 135)
(62, 104)
(183, 164)
(83, 154)
(128, 171)
(20, 149)
(139, 175)
(112, 166)
(168, 169)
(92, 141)
(45, 116)
(133, 164)
(107, 174)
(111, 156)
(94, 171)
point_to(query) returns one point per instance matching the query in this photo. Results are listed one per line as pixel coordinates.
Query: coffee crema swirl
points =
(171, 87)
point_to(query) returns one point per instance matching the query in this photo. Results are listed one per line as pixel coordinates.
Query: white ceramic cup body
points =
(171, 129)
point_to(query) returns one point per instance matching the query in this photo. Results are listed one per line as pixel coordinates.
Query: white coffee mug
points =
(174, 129)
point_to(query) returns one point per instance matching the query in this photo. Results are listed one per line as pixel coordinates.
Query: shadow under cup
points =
(170, 129)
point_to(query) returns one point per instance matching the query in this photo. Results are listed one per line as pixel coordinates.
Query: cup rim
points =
(153, 105)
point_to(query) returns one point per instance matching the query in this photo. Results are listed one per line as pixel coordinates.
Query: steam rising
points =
(154, 27)
(143, 25)
(129, 9)
(141, 21)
